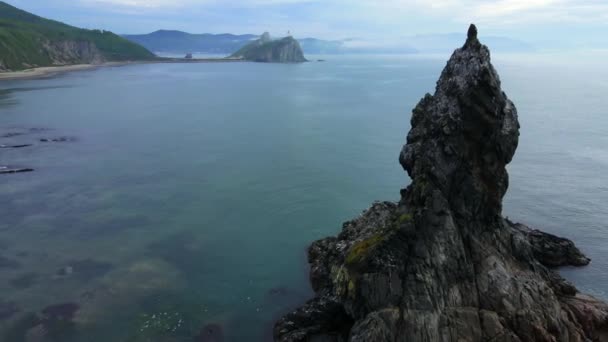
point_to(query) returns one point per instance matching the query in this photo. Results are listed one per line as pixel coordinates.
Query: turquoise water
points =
(186, 194)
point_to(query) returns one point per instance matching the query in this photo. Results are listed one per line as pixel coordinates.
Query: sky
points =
(565, 23)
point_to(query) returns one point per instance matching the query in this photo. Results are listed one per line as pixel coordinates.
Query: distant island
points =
(268, 50)
(29, 41)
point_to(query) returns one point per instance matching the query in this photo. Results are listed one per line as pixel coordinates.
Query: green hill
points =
(285, 50)
(27, 40)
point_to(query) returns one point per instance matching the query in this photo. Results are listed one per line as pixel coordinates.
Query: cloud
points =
(494, 12)
(527, 20)
(185, 3)
(491, 12)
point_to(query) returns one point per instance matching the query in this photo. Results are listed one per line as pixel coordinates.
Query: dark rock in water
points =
(24, 132)
(88, 269)
(8, 263)
(39, 129)
(15, 146)
(181, 250)
(57, 321)
(24, 281)
(443, 264)
(84, 270)
(12, 134)
(65, 271)
(59, 139)
(63, 311)
(211, 333)
(8, 309)
(9, 170)
(18, 330)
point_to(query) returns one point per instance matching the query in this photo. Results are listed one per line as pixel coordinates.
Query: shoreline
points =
(49, 71)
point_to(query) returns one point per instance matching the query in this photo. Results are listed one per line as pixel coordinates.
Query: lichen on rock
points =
(443, 264)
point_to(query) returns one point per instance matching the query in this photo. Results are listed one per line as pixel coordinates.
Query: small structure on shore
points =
(188, 56)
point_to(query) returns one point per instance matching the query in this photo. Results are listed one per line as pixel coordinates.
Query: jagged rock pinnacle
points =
(463, 137)
(472, 40)
(443, 265)
(472, 34)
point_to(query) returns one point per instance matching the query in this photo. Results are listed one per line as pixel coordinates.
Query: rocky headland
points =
(267, 50)
(443, 264)
(28, 41)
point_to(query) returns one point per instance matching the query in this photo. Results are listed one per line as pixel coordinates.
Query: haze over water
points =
(195, 189)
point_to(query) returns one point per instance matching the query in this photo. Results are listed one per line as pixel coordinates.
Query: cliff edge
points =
(443, 264)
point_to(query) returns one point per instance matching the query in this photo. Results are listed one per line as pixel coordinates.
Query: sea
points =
(175, 202)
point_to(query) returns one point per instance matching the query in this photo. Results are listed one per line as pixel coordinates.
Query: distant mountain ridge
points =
(182, 42)
(171, 41)
(27, 40)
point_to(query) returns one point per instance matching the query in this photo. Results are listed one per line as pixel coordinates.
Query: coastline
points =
(42, 72)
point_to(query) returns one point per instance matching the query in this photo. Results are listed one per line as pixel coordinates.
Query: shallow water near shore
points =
(180, 202)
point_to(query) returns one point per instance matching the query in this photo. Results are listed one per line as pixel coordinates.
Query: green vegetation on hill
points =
(27, 40)
(285, 50)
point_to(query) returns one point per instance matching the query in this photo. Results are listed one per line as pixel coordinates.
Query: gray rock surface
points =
(71, 52)
(443, 264)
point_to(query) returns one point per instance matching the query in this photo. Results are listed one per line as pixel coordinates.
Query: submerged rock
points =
(8, 263)
(54, 323)
(25, 280)
(12, 134)
(211, 333)
(11, 169)
(8, 309)
(86, 269)
(15, 146)
(443, 264)
(63, 311)
(58, 139)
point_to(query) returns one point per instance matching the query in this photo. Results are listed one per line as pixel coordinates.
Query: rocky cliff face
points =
(71, 52)
(286, 50)
(443, 264)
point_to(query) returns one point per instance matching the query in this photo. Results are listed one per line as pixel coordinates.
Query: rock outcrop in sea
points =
(266, 50)
(443, 264)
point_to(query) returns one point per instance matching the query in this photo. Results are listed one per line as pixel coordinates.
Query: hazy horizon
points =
(544, 24)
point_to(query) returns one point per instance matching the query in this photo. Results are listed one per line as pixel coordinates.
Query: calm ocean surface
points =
(187, 194)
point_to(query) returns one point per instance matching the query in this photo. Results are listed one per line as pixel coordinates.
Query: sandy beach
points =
(42, 72)
(53, 70)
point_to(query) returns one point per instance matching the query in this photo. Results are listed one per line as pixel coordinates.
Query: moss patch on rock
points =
(360, 250)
